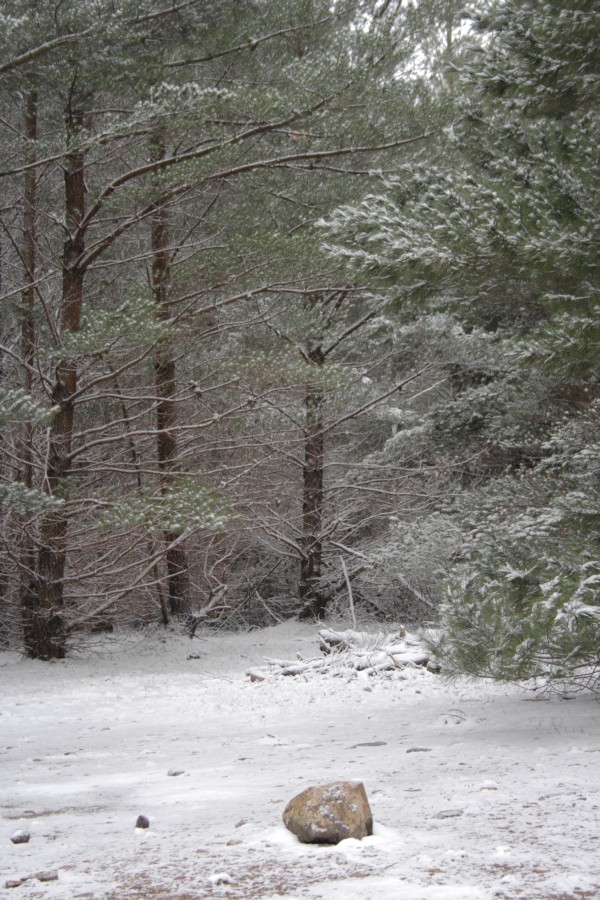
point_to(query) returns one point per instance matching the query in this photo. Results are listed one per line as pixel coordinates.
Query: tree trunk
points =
(450, 12)
(166, 387)
(44, 631)
(310, 591)
(162, 602)
(28, 254)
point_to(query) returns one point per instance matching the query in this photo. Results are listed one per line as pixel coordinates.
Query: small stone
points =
(142, 822)
(47, 876)
(173, 773)
(369, 744)
(488, 786)
(220, 878)
(20, 837)
(15, 883)
(256, 676)
(419, 750)
(449, 814)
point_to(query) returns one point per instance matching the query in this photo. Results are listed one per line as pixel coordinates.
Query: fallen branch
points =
(351, 652)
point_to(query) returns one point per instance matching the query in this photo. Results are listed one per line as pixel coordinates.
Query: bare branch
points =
(250, 44)
(41, 49)
(372, 403)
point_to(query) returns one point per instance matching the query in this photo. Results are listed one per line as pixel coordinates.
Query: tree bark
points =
(27, 294)
(310, 591)
(166, 390)
(28, 260)
(44, 626)
(450, 12)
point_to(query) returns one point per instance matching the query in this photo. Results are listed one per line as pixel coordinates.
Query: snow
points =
(502, 801)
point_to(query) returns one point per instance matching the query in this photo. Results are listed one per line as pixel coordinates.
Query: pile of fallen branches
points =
(347, 653)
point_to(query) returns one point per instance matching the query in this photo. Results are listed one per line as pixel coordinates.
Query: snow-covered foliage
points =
(17, 405)
(526, 599)
(501, 228)
(133, 325)
(21, 500)
(186, 505)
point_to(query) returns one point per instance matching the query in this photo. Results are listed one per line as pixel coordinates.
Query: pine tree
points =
(529, 586)
(153, 255)
(502, 234)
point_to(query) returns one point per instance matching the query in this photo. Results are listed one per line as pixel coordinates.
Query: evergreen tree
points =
(502, 234)
(528, 589)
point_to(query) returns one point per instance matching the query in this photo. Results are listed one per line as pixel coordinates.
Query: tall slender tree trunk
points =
(27, 294)
(450, 19)
(166, 390)
(162, 601)
(28, 259)
(45, 633)
(310, 588)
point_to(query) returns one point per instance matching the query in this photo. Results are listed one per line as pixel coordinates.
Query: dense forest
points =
(300, 310)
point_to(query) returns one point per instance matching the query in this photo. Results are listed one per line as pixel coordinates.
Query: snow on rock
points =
(220, 878)
(488, 786)
(330, 813)
(20, 837)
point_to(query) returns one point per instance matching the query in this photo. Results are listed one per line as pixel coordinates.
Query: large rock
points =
(330, 813)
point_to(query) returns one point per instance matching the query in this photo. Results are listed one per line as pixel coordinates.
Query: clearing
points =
(478, 791)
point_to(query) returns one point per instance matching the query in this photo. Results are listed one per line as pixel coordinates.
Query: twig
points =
(350, 597)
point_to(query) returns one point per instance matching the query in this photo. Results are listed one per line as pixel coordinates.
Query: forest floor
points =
(478, 791)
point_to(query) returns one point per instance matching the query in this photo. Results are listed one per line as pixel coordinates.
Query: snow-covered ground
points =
(478, 791)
